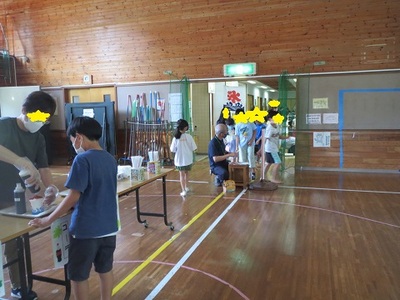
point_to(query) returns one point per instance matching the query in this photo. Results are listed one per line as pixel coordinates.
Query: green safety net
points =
(283, 86)
(5, 67)
(182, 86)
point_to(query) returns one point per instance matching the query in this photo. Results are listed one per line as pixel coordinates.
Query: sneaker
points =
(16, 293)
(183, 193)
(217, 182)
(187, 189)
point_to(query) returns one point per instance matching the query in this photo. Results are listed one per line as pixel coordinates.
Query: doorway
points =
(209, 97)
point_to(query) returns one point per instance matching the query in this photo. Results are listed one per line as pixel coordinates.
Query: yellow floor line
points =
(136, 271)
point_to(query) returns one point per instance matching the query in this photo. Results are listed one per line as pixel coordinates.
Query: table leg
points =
(164, 214)
(164, 184)
(21, 266)
(138, 213)
(30, 276)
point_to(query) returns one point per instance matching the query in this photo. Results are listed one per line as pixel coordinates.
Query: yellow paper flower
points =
(38, 116)
(257, 115)
(278, 118)
(225, 113)
(274, 103)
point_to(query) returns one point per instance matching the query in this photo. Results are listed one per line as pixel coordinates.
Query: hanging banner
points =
(235, 97)
(2, 290)
(60, 240)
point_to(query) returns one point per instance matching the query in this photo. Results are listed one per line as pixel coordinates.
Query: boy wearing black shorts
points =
(92, 184)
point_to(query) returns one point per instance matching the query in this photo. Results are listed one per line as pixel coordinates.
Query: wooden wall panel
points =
(130, 41)
(374, 150)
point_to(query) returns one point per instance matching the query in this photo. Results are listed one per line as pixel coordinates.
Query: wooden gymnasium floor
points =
(321, 235)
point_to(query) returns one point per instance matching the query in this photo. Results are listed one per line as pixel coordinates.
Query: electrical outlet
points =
(87, 79)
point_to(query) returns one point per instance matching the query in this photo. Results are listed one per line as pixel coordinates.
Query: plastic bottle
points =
(24, 174)
(58, 253)
(19, 198)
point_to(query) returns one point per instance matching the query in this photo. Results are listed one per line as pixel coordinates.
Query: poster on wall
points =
(60, 240)
(321, 139)
(320, 103)
(2, 290)
(313, 118)
(330, 118)
(175, 106)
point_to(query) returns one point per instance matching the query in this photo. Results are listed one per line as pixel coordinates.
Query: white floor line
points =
(339, 190)
(171, 273)
(191, 181)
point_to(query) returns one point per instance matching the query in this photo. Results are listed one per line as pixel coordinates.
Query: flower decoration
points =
(38, 116)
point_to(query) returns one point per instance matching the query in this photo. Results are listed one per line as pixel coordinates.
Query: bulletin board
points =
(369, 109)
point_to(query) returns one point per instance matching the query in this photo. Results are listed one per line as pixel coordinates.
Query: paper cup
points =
(136, 161)
(37, 205)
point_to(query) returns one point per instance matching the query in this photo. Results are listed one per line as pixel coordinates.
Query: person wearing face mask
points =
(217, 155)
(92, 184)
(23, 147)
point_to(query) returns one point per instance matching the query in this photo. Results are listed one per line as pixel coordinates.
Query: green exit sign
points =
(244, 69)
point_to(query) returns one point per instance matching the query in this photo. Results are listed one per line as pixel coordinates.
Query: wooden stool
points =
(239, 173)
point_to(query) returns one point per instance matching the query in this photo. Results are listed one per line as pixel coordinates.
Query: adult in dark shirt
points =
(217, 155)
(22, 147)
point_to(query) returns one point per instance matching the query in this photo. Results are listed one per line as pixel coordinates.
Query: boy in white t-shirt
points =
(272, 137)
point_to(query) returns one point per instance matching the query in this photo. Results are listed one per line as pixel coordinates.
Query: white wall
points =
(12, 98)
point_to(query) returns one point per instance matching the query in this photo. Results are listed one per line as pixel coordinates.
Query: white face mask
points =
(32, 126)
(80, 149)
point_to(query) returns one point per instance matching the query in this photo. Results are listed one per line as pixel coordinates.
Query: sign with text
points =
(330, 118)
(320, 103)
(313, 118)
(322, 139)
(60, 240)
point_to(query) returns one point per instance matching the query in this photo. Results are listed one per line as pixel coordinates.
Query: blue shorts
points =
(85, 252)
(272, 157)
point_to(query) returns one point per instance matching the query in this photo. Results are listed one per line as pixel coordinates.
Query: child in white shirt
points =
(183, 146)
